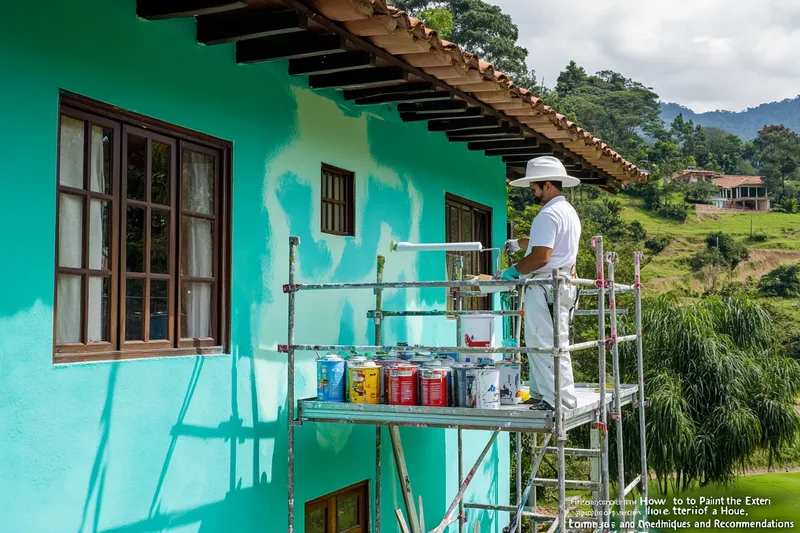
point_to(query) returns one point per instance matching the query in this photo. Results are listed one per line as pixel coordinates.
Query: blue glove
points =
(510, 274)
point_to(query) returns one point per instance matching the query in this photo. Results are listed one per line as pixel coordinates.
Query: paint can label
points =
(403, 385)
(510, 392)
(364, 384)
(434, 387)
(486, 388)
(330, 379)
(464, 377)
(383, 364)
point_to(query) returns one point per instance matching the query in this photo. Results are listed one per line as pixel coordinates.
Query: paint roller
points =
(395, 246)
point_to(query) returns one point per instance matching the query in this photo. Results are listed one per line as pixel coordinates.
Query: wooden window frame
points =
(329, 502)
(122, 122)
(326, 197)
(485, 258)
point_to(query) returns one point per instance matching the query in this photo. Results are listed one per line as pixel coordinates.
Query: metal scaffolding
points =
(593, 400)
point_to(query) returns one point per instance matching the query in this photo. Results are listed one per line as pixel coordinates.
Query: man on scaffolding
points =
(553, 243)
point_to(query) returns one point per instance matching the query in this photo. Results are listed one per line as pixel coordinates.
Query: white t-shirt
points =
(558, 227)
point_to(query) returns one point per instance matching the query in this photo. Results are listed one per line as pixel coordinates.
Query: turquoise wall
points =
(199, 443)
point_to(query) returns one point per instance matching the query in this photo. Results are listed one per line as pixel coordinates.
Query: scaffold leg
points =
(405, 482)
(516, 522)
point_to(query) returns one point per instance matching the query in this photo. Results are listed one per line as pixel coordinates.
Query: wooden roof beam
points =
(463, 124)
(472, 112)
(395, 98)
(362, 78)
(483, 134)
(242, 24)
(433, 108)
(291, 46)
(166, 9)
(330, 63)
(531, 151)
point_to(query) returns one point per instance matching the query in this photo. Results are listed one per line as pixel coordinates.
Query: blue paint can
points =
(464, 378)
(330, 378)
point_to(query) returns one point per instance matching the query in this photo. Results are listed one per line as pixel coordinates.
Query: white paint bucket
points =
(486, 387)
(478, 331)
(510, 390)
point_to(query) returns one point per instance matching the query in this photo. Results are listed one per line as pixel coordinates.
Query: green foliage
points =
(716, 391)
(787, 205)
(480, 28)
(439, 19)
(700, 192)
(656, 245)
(783, 282)
(637, 231)
(778, 156)
(733, 252)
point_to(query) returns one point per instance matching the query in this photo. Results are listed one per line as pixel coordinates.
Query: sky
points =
(703, 54)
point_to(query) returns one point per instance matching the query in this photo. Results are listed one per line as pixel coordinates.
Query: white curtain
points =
(97, 252)
(198, 187)
(70, 231)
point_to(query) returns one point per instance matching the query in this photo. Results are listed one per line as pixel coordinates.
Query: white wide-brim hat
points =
(546, 168)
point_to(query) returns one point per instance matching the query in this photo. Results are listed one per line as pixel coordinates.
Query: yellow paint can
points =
(364, 383)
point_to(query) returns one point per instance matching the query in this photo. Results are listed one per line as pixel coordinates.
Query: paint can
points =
(464, 376)
(353, 359)
(447, 359)
(486, 387)
(364, 383)
(403, 384)
(383, 363)
(330, 378)
(510, 389)
(419, 360)
(434, 386)
(437, 364)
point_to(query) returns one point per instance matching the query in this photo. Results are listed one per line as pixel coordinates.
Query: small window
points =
(344, 511)
(338, 201)
(468, 221)
(141, 246)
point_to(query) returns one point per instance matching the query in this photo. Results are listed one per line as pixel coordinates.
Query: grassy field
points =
(782, 490)
(778, 242)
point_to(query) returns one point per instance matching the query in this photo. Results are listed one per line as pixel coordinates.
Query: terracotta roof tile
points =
(729, 181)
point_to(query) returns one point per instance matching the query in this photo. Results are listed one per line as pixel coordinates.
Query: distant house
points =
(742, 192)
(693, 175)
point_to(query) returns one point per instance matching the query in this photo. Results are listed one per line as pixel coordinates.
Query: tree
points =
(716, 390)
(783, 282)
(777, 157)
(572, 77)
(480, 28)
(733, 252)
(700, 192)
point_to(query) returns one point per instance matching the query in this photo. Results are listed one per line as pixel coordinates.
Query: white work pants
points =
(539, 334)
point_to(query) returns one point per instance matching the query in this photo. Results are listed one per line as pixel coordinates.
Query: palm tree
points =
(717, 386)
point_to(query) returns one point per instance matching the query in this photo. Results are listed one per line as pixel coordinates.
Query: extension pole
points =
(378, 429)
(605, 514)
(611, 258)
(459, 342)
(561, 434)
(293, 242)
(637, 261)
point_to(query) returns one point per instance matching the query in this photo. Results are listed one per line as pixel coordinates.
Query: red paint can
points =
(402, 384)
(434, 386)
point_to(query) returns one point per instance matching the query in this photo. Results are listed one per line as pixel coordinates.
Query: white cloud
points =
(705, 54)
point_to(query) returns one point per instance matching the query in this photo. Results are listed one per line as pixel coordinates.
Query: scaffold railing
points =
(593, 407)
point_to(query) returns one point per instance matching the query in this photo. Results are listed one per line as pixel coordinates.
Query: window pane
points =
(159, 309)
(100, 178)
(99, 235)
(454, 228)
(70, 152)
(330, 225)
(346, 513)
(198, 182)
(68, 311)
(159, 192)
(337, 188)
(137, 167)
(338, 222)
(197, 240)
(98, 309)
(159, 242)
(196, 310)
(134, 246)
(70, 231)
(134, 301)
(316, 521)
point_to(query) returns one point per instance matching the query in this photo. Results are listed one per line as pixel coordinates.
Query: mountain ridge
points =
(746, 124)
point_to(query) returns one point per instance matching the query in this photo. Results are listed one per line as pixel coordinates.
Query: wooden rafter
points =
(243, 24)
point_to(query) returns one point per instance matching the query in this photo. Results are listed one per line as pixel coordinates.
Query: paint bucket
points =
(486, 387)
(353, 359)
(510, 392)
(403, 384)
(364, 383)
(384, 362)
(330, 378)
(434, 386)
(463, 376)
(478, 330)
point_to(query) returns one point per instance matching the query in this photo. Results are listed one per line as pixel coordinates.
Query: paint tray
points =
(487, 290)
